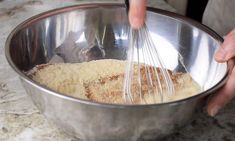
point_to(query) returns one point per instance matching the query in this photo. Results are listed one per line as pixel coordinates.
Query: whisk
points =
(146, 78)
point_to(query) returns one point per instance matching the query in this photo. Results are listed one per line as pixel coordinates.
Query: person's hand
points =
(137, 13)
(225, 53)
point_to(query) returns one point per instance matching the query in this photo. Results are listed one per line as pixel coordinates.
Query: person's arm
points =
(225, 53)
(137, 13)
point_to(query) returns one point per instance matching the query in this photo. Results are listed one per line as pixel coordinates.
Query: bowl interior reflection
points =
(102, 33)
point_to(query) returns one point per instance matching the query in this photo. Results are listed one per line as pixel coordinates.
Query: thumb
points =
(137, 13)
(227, 50)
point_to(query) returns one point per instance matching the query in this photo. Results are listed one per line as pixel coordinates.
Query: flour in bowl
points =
(102, 81)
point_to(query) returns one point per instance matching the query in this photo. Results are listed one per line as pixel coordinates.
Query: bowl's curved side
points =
(94, 123)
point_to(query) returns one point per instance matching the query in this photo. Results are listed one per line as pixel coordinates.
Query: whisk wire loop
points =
(152, 78)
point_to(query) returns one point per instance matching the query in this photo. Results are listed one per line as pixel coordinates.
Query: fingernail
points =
(214, 110)
(136, 23)
(220, 54)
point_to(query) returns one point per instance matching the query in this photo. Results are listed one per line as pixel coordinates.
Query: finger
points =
(137, 13)
(224, 95)
(231, 33)
(227, 50)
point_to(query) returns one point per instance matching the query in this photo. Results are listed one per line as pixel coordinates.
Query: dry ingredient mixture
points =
(102, 81)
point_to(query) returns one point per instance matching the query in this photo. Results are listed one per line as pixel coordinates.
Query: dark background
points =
(195, 9)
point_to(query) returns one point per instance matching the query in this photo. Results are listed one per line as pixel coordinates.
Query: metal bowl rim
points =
(57, 11)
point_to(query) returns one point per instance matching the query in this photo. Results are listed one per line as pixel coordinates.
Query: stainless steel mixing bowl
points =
(97, 31)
